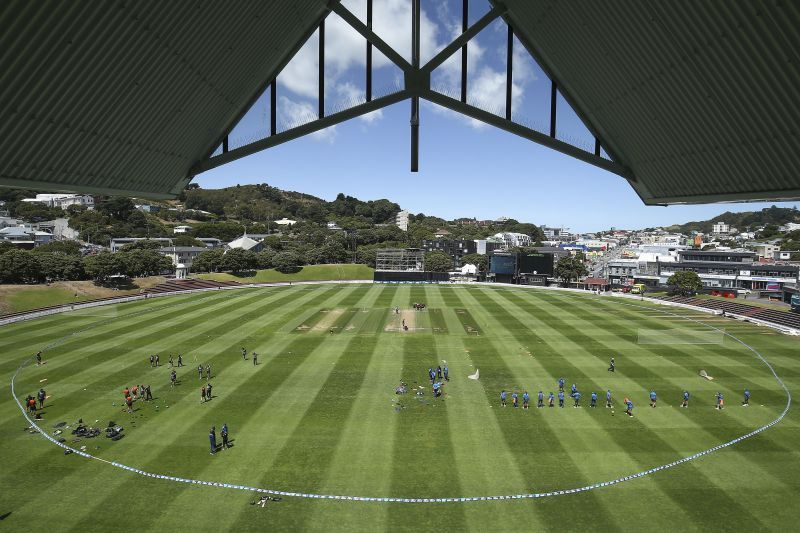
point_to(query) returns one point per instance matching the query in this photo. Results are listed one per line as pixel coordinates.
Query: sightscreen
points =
(536, 263)
(503, 264)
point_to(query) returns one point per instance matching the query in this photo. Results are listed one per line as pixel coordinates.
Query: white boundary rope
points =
(533, 495)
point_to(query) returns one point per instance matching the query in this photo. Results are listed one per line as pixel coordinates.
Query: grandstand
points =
(781, 318)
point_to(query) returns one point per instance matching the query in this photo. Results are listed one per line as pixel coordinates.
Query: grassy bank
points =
(307, 273)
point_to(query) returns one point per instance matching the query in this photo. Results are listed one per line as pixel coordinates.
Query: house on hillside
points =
(245, 243)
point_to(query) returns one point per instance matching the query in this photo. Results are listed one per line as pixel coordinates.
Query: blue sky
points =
(466, 168)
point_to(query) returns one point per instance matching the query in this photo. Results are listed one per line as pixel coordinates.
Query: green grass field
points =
(307, 273)
(319, 414)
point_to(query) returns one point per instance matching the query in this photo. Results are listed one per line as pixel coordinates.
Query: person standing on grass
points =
(551, 400)
(573, 390)
(208, 392)
(746, 401)
(203, 394)
(156, 360)
(514, 400)
(561, 384)
(431, 375)
(653, 399)
(608, 398)
(135, 391)
(126, 392)
(224, 434)
(170, 361)
(439, 372)
(628, 407)
(129, 403)
(525, 400)
(244, 353)
(152, 360)
(42, 396)
(577, 397)
(31, 404)
(685, 399)
(594, 400)
(149, 394)
(212, 439)
(200, 371)
(173, 377)
(255, 359)
(612, 366)
(38, 358)
(561, 398)
(540, 399)
(180, 360)
(446, 373)
(208, 371)
(720, 401)
(503, 398)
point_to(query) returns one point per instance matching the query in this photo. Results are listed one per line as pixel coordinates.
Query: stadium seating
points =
(782, 318)
(176, 285)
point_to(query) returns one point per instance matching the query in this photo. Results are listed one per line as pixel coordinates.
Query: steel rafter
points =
(417, 85)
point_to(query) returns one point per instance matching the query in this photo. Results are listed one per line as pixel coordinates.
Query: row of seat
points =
(782, 318)
(175, 285)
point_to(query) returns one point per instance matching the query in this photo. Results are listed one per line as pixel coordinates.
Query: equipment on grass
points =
(704, 374)
(476, 375)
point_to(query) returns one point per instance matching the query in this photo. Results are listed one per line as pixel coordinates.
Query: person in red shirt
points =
(126, 392)
(32, 405)
(129, 402)
(135, 391)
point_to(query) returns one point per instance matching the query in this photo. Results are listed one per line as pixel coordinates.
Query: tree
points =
(286, 262)
(60, 247)
(187, 240)
(684, 283)
(438, 262)
(19, 266)
(570, 268)
(144, 244)
(265, 258)
(238, 260)
(142, 263)
(102, 266)
(208, 260)
(479, 260)
(118, 207)
(58, 266)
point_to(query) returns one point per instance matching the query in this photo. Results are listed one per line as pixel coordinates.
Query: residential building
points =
(210, 242)
(456, 249)
(622, 271)
(401, 220)
(25, 236)
(720, 228)
(182, 255)
(440, 233)
(181, 229)
(246, 242)
(118, 242)
(785, 255)
(765, 250)
(512, 240)
(333, 226)
(487, 246)
(285, 222)
(556, 234)
(8, 222)
(63, 200)
(789, 226)
(148, 208)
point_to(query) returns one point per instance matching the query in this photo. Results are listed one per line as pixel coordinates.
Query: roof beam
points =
(371, 36)
(527, 133)
(299, 131)
(496, 12)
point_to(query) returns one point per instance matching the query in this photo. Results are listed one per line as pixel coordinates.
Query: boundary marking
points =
(533, 495)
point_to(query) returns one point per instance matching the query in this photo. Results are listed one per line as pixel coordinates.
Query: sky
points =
(466, 168)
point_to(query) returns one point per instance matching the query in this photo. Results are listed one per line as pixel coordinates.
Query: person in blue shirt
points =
(720, 401)
(573, 390)
(594, 400)
(561, 398)
(685, 399)
(514, 400)
(628, 407)
(525, 399)
(608, 398)
(551, 399)
(540, 400)
(746, 401)
(431, 375)
(212, 440)
(652, 398)
(503, 398)
(560, 383)
(577, 397)
(446, 373)
(437, 389)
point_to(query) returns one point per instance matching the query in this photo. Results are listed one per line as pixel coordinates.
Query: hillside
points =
(744, 221)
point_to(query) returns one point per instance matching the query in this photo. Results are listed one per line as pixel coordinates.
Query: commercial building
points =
(487, 246)
(765, 250)
(556, 234)
(401, 220)
(720, 228)
(182, 255)
(456, 249)
(512, 240)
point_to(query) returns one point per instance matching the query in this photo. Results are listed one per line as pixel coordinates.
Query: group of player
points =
(436, 377)
(155, 361)
(576, 397)
(137, 392)
(30, 401)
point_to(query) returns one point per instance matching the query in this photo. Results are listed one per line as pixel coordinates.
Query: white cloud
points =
(293, 114)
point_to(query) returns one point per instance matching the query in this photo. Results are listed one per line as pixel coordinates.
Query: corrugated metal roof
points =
(124, 96)
(698, 98)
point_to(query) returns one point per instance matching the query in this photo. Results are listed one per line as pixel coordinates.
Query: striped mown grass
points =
(319, 413)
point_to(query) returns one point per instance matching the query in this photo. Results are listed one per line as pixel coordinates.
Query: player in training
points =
(746, 401)
(551, 400)
(593, 400)
(244, 353)
(573, 390)
(608, 398)
(540, 399)
(503, 398)
(526, 398)
(685, 399)
(628, 407)
(612, 366)
(431, 375)
(577, 397)
(446, 373)
(561, 398)
(514, 400)
(652, 398)
(720, 402)
(561, 384)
